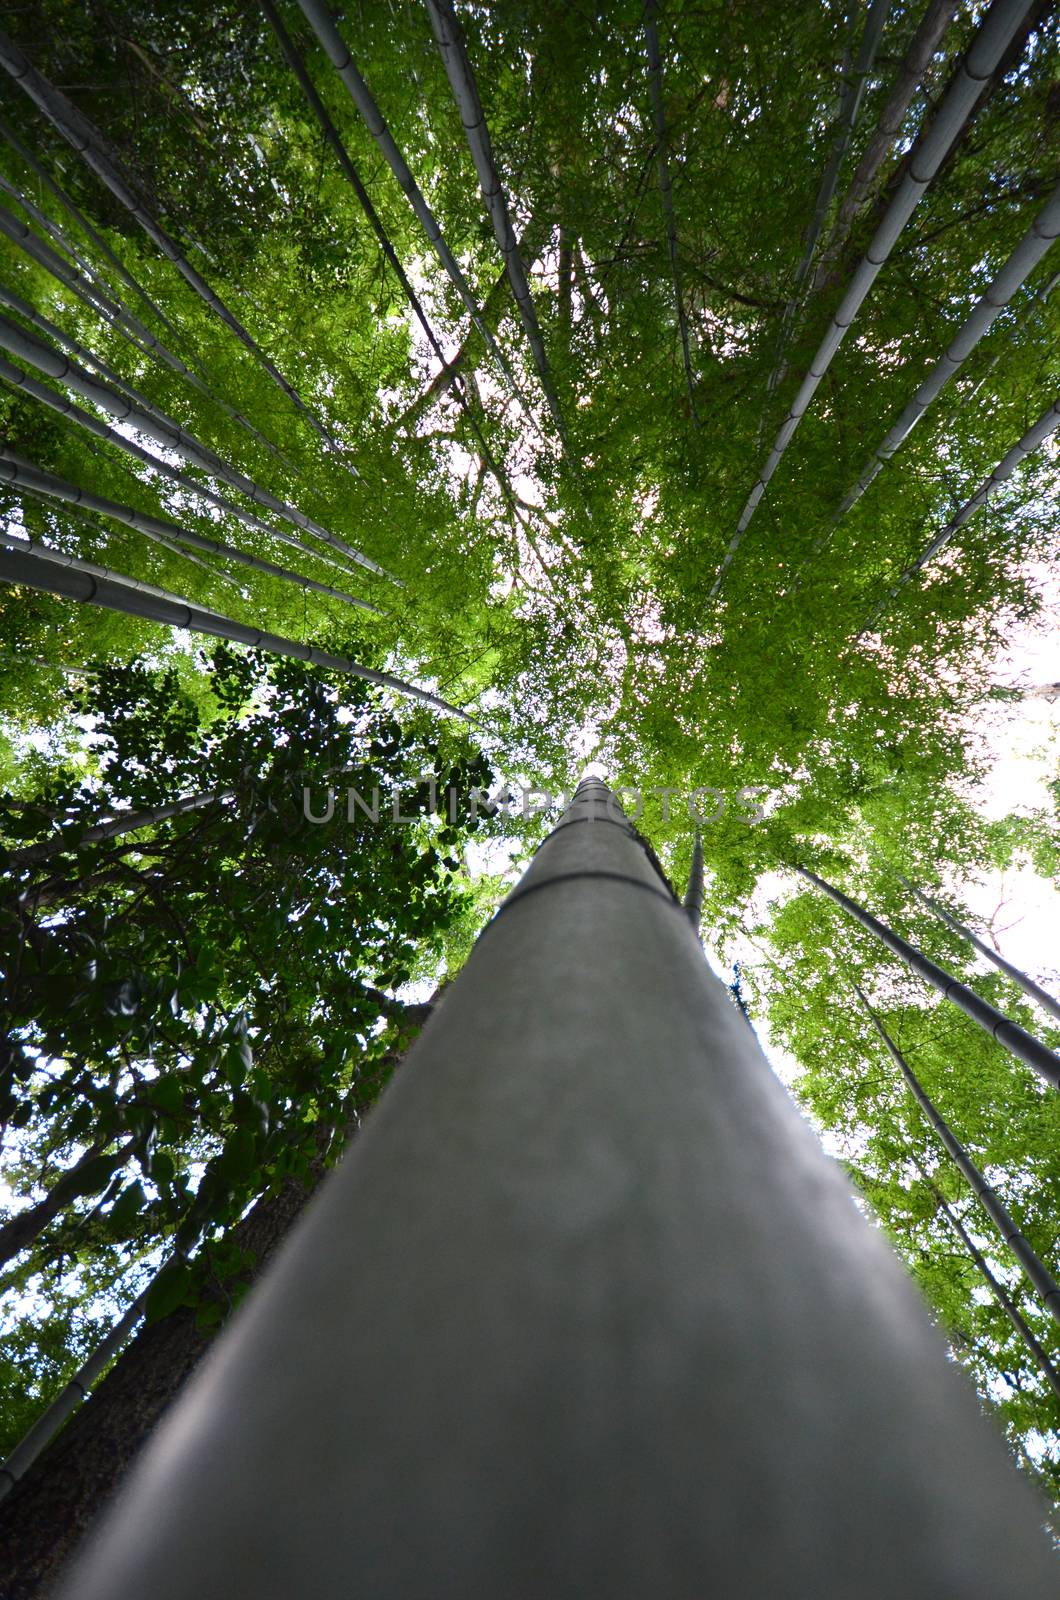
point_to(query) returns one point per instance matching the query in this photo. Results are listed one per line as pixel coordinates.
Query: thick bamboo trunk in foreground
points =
(586, 1314)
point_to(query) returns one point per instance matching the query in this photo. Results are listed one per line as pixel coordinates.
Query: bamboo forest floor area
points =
(409, 410)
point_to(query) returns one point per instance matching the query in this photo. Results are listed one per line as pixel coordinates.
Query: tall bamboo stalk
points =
(42, 572)
(92, 569)
(453, 51)
(1034, 1269)
(165, 432)
(1032, 990)
(936, 140)
(83, 419)
(694, 893)
(854, 80)
(1016, 1040)
(122, 320)
(15, 469)
(584, 1312)
(320, 21)
(1036, 242)
(662, 162)
(1025, 1332)
(117, 826)
(352, 176)
(925, 42)
(90, 144)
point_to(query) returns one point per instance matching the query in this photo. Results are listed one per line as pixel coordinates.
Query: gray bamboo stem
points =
(998, 1290)
(1016, 1040)
(693, 901)
(1031, 989)
(854, 84)
(933, 145)
(43, 573)
(453, 51)
(1035, 436)
(925, 42)
(24, 475)
(584, 1312)
(1033, 1267)
(319, 19)
(662, 162)
(90, 145)
(117, 826)
(162, 430)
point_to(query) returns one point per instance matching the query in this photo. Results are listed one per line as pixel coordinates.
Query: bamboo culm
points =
(451, 47)
(855, 80)
(1036, 242)
(1032, 990)
(1035, 436)
(123, 321)
(1016, 1040)
(80, 134)
(15, 469)
(1034, 1269)
(693, 901)
(320, 21)
(165, 432)
(997, 1289)
(925, 43)
(93, 569)
(349, 171)
(584, 1277)
(52, 577)
(117, 826)
(935, 142)
(662, 164)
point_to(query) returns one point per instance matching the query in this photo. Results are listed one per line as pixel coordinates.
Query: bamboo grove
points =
(672, 385)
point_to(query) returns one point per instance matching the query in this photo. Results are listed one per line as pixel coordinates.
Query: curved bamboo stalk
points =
(854, 83)
(1016, 1040)
(89, 143)
(23, 474)
(662, 162)
(1032, 990)
(164, 431)
(925, 42)
(320, 21)
(451, 47)
(1034, 1269)
(1039, 431)
(51, 577)
(1037, 299)
(14, 375)
(934, 144)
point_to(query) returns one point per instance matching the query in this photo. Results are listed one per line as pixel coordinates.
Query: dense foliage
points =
(561, 585)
